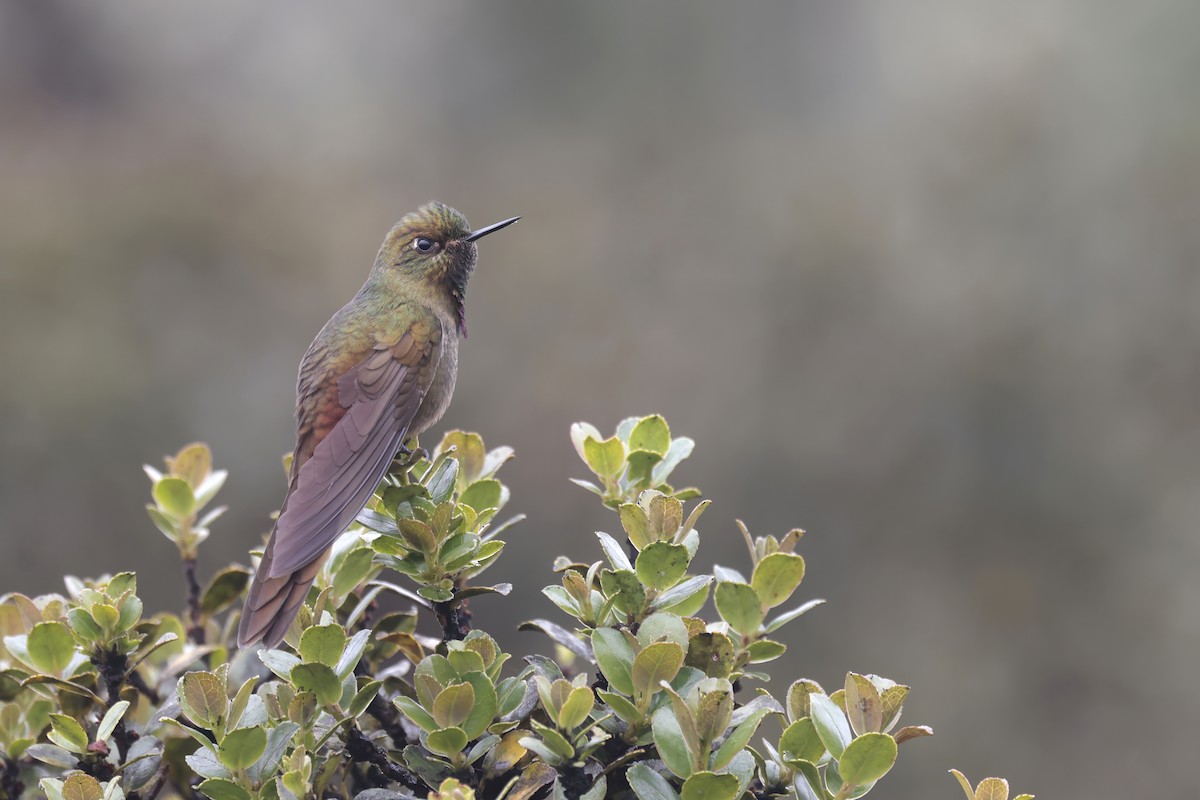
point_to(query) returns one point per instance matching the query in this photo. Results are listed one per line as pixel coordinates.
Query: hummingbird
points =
(381, 371)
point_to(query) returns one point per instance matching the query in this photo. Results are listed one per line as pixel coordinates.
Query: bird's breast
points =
(441, 388)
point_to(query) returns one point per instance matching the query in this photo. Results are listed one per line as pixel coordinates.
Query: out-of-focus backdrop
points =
(919, 277)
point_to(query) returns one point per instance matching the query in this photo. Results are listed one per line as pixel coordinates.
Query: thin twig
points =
(195, 629)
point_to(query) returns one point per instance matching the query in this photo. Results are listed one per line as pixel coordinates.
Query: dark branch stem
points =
(10, 780)
(363, 750)
(454, 618)
(138, 682)
(195, 618)
(114, 671)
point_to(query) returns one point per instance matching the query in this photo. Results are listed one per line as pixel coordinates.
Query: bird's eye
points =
(423, 244)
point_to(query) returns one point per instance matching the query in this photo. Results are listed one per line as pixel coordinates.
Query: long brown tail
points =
(273, 603)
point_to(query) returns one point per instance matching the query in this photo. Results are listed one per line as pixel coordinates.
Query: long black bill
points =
(482, 232)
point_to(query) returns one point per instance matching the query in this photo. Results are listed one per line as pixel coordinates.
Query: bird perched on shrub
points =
(380, 371)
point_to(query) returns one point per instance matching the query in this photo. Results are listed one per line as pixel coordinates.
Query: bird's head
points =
(433, 249)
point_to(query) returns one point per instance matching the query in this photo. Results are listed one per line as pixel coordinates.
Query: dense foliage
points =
(643, 697)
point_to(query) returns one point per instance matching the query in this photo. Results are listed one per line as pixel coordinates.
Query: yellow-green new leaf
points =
(51, 647)
(863, 705)
(453, 705)
(605, 458)
(242, 747)
(202, 698)
(652, 434)
(656, 663)
(776, 577)
(869, 757)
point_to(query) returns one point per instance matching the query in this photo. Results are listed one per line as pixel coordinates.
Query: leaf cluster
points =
(645, 695)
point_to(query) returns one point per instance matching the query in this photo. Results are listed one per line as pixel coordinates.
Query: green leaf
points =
(801, 742)
(202, 698)
(130, 612)
(640, 464)
(808, 783)
(468, 451)
(714, 708)
(624, 589)
(605, 458)
(765, 650)
(648, 784)
(614, 656)
(710, 786)
(797, 698)
(869, 757)
(776, 577)
(738, 740)
(224, 589)
(581, 432)
(193, 463)
(242, 747)
(652, 434)
(419, 716)
(487, 703)
(633, 520)
(50, 647)
(964, 783)
(82, 623)
(353, 570)
(280, 662)
(711, 653)
(661, 565)
(79, 786)
(680, 449)
(351, 654)
(465, 661)
(223, 789)
(441, 483)
(318, 679)
(614, 552)
(576, 708)
(553, 739)
(688, 593)
(739, 605)
(665, 626)
(67, 733)
(278, 739)
(624, 709)
(787, 616)
(892, 700)
(863, 705)
(664, 515)
(991, 789)
(453, 704)
(656, 663)
(669, 740)
(482, 495)
(111, 717)
(322, 644)
(831, 724)
(447, 741)
(175, 497)
(52, 755)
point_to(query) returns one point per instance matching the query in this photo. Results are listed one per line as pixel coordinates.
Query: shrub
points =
(643, 697)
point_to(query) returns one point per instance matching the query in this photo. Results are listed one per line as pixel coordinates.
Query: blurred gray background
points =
(919, 277)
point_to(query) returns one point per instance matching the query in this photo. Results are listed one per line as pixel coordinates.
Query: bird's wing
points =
(378, 399)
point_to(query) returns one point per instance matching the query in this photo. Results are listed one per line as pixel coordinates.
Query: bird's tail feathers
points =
(273, 602)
